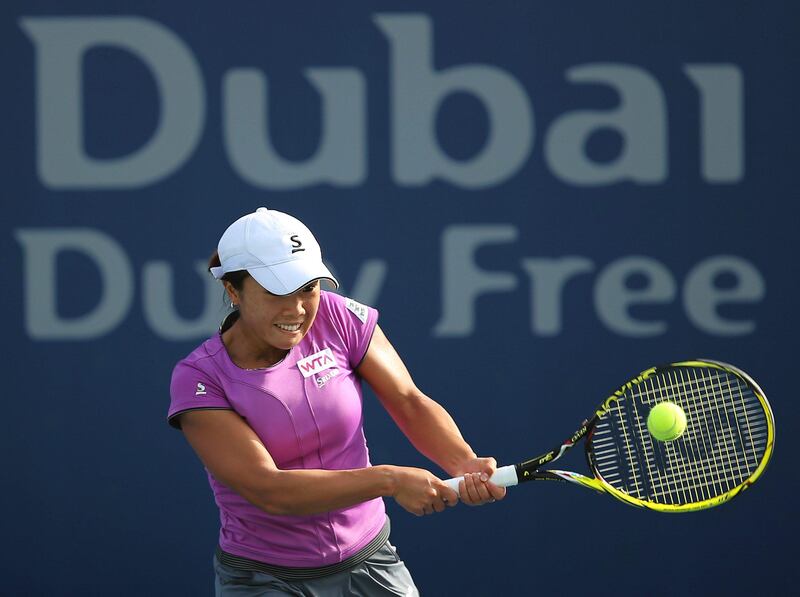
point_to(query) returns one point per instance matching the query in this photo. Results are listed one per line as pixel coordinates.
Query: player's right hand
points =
(421, 492)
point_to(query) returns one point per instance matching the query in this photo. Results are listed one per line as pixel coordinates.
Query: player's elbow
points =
(269, 495)
(268, 503)
(406, 405)
(282, 506)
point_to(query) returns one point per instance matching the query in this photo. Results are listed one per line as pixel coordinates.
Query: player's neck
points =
(248, 351)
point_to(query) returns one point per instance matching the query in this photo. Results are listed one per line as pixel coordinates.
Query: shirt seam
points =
(177, 425)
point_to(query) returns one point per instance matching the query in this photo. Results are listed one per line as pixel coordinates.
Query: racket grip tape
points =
(505, 476)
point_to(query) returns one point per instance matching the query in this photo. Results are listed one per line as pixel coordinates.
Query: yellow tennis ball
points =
(666, 421)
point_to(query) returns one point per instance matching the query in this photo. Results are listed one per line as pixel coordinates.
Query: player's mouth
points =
(289, 327)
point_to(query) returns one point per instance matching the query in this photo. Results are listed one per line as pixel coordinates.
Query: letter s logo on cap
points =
(296, 243)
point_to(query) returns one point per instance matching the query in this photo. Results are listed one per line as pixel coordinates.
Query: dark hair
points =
(235, 278)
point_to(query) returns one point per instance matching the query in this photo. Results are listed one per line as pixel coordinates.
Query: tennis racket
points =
(729, 438)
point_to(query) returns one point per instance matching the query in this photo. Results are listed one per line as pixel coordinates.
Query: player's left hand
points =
(475, 489)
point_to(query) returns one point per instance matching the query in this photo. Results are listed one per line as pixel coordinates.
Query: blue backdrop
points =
(541, 198)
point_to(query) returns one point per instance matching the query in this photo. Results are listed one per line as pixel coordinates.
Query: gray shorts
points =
(382, 574)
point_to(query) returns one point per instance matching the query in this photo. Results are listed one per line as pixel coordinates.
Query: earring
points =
(233, 305)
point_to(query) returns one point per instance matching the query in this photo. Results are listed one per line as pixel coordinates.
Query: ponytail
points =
(235, 278)
(214, 261)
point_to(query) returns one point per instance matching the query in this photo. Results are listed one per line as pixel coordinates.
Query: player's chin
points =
(284, 341)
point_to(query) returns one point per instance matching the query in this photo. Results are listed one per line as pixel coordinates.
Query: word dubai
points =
(545, 281)
(417, 91)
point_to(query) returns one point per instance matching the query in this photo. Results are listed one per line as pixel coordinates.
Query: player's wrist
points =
(388, 479)
(466, 463)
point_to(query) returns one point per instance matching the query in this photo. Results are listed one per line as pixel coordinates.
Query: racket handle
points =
(505, 476)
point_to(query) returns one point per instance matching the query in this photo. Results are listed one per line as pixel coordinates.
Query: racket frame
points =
(529, 470)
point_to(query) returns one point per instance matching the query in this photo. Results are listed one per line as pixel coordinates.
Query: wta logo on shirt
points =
(319, 361)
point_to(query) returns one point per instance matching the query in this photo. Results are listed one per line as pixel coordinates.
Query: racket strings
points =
(710, 460)
(725, 439)
(714, 458)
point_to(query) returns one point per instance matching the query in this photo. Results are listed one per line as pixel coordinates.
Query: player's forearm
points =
(433, 432)
(306, 492)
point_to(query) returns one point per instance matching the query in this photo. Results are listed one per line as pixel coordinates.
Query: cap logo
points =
(296, 243)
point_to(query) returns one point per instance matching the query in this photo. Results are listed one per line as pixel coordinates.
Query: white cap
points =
(276, 249)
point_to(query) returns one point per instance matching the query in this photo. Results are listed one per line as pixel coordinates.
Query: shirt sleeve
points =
(355, 324)
(193, 389)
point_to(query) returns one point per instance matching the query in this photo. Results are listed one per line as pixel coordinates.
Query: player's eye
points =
(311, 287)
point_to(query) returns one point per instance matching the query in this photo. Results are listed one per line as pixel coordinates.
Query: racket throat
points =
(569, 476)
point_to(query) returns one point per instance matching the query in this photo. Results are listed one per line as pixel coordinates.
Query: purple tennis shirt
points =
(307, 410)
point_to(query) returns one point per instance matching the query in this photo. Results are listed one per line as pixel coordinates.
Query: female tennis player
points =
(272, 405)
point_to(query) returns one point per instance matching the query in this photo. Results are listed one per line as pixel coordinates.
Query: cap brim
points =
(290, 276)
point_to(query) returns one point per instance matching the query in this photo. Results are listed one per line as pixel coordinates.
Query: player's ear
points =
(233, 294)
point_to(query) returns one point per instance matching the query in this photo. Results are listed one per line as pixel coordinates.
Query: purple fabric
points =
(305, 422)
